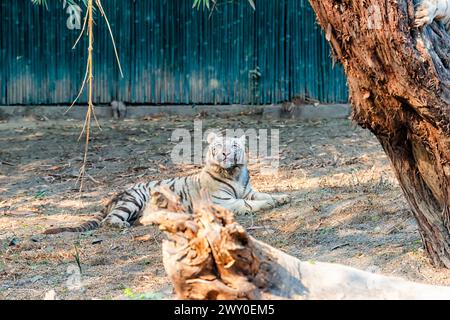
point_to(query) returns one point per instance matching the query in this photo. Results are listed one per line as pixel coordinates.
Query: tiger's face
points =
(226, 152)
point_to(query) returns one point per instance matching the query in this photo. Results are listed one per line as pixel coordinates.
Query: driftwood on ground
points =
(208, 255)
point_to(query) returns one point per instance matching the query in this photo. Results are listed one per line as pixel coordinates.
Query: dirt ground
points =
(347, 206)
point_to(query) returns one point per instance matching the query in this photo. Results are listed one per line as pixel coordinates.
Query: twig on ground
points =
(339, 246)
(6, 163)
(92, 178)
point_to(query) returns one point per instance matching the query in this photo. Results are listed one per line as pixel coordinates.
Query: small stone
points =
(13, 242)
(36, 238)
(50, 295)
(36, 279)
(97, 241)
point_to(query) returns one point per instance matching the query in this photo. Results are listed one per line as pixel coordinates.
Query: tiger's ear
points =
(211, 137)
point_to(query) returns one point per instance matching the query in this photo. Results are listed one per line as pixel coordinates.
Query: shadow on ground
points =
(347, 206)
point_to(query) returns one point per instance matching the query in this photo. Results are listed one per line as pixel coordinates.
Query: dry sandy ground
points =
(347, 206)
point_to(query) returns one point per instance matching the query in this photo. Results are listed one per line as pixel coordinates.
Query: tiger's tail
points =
(92, 224)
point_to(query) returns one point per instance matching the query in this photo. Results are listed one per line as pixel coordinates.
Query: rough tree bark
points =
(399, 82)
(210, 256)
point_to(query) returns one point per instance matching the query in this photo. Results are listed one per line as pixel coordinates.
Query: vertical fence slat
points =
(170, 54)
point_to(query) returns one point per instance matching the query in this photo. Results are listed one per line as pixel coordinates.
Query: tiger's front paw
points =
(115, 223)
(242, 211)
(281, 199)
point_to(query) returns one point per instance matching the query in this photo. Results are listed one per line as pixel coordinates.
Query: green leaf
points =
(129, 293)
(196, 4)
(40, 195)
(40, 3)
(151, 296)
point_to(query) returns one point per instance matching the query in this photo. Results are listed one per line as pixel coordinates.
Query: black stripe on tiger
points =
(220, 198)
(118, 216)
(124, 209)
(247, 194)
(133, 200)
(142, 194)
(86, 226)
(248, 206)
(224, 182)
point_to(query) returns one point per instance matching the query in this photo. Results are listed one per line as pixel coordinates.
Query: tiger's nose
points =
(225, 155)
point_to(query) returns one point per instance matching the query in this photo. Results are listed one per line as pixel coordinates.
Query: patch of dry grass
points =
(347, 206)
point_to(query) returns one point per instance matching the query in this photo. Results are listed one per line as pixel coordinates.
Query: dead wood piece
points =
(208, 255)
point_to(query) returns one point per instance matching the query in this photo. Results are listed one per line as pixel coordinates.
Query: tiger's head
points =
(226, 153)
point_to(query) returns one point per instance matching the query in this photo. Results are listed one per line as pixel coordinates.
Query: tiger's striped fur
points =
(225, 177)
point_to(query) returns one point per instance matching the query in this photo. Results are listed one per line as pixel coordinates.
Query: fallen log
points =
(208, 255)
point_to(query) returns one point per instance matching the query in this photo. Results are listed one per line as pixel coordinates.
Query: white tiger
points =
(225, 176)
(429, 10)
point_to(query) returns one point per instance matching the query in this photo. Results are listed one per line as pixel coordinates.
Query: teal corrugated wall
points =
(170, 53)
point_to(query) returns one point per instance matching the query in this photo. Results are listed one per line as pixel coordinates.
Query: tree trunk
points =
(399, 82)
(210, 256)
